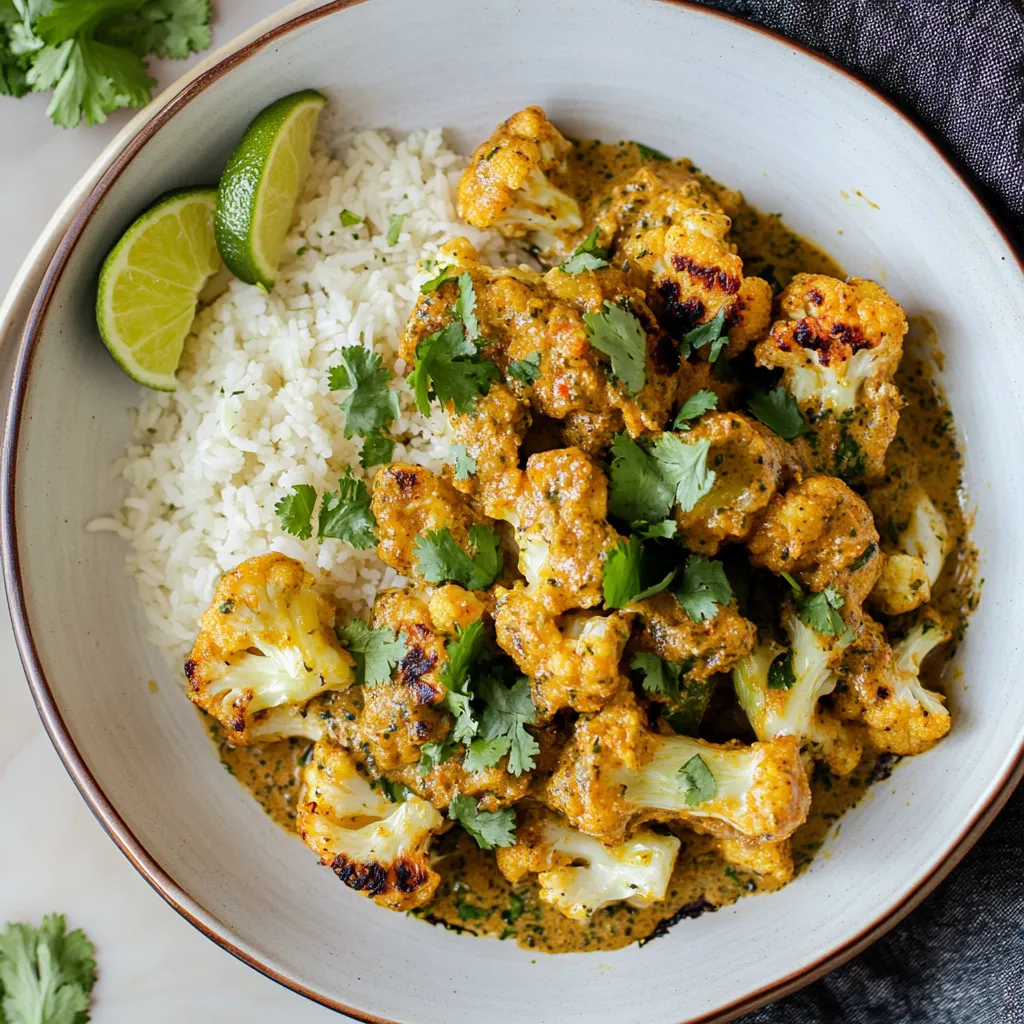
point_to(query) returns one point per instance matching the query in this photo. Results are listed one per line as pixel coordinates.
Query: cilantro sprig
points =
(449, 368)
(588, 255)
(621, 337)
(778, 411)
(440, 559)
(525, 370)
(712, 333)
(464, 463)
(503, 726)
(820, 611)
(697, 781)
(660, 676)
(295, 510)
(626, 571)
(464, 651)
(702, 588)
(344, 514)
(46, 973)
(372, 406)
(488, 828)
(376, 652)
(695, 407)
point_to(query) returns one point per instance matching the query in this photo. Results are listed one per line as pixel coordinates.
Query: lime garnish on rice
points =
(150, 284)
(261, 183)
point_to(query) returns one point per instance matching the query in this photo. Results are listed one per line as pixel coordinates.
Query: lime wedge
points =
(150, 283)
(259, 186)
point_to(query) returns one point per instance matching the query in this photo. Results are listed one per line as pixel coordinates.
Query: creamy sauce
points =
(473, 896)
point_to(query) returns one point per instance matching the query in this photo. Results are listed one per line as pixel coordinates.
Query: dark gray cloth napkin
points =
(957, 66)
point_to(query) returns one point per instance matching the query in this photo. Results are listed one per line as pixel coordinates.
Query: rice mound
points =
(253, 416)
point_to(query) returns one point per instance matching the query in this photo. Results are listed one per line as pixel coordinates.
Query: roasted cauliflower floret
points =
(902, 586)
(409, 501)
(615, 773)
(374, 846)
(881, 687)
(822, 534)
(707, 647)
(779, 689)
(453, 607)
(492, 434)
(562, 530)
(402, 714)
(508, 185)
(750, 464)
(266, 646)
(771, 860)
(493, 787)
(839, 346)
(578, 875)
(572, 661)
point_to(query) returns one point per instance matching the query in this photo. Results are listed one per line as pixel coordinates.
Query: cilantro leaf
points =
(376, 651)
(665, 530)
(395, 228)
(465, 306)
(639, 491)
(694, 407)
(449, 368)
(377, 450)
(394, 791)
(707, 334)
(624, 572)
(346, 515)
(435, 282)
(46, 973)
(463, 652)
(696, 780)
(703, 588)
(509, 710)
(821, 612)
(465, 465)
(621, 337)
(372, 406)
(168, 28)
(780, 672)
(588, 255)
(481, 753)
(660, 676)
(488, 828)
(684, 466)
(440, 559)
(649, 153)
(295, 511)
(434, 754)
(778, 411)
(350, 219)
(527, 370)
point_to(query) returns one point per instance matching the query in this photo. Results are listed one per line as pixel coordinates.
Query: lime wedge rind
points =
(144, 315)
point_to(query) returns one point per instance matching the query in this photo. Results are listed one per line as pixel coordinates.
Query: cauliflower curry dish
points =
(686, 586)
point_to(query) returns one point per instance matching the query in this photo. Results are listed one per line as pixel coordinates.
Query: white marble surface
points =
(153, 966)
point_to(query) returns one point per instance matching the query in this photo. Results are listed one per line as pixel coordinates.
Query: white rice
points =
(253, 416)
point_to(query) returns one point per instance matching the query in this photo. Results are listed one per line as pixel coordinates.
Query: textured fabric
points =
(958, 67)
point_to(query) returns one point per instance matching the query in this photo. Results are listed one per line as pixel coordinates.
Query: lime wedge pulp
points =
(150, 283)
(261, 183)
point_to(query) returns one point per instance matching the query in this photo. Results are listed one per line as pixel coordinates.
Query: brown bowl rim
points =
(112, 822)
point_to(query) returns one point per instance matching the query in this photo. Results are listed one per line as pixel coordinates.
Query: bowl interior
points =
(795, 136)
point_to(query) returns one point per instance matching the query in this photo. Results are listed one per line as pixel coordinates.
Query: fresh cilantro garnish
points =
(450, 369)
(488, 828)
(649, 153)
(865, 556)
(516, 906)
(377, 450)
(778, 411)
(376, 652)
(346, 514)
(621, 337)
(465, 306)
(694, 407)
(394, 791)
(295, 511)
(665, 530)
(46, 973)
(588, 255)
(780, 672)
(91, 53)
(348, 218)
(463, 652)
(395, 228)
(696, 780)
(465, 465)
(821, 612)
(372, 406)
(481, 753)
(435, 282)
(503, 725)
(440, 560)
(660, 676)
(527, 370)
(711, 334)
(624, 575)
(645, 485)
(433, 754)
(702, 588)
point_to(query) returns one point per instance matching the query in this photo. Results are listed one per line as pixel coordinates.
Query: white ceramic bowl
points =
(795, 135)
